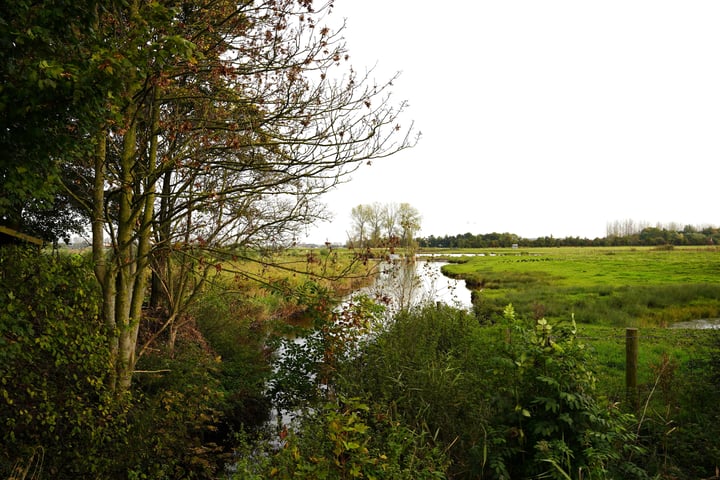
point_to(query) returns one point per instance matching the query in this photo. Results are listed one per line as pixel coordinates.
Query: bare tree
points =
(398, 222)
(390, 219)
(376, 222)
(409, 220)
(361, 216)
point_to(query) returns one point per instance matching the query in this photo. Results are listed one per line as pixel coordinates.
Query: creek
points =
(401, 285)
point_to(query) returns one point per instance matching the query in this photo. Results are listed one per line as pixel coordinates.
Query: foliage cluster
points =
(322, 432)
(516, 400)
(177, 427)
(347, 439)
(53, 364)
(647, 236)
(513, 401)
(57, 413)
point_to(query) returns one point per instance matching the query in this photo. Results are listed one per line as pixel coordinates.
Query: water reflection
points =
(402, 285)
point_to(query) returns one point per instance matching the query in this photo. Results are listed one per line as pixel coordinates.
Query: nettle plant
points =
(551, 423)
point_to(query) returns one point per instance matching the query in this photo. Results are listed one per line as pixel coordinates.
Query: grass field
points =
(619, 287)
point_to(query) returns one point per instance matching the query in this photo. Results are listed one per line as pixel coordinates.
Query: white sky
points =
(542, 117)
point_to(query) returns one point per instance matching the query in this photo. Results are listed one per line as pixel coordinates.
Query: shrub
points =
(426, 369)
(548, 421)
(347, 439)
(53, 362)
(177, 412)
(233, 327)
(309, 356)
(516, 400)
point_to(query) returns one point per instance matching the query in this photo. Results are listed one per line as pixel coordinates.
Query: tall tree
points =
(375, 223)
(361, 217)
(182, 129)
(409, 220)
(50, 99)
(389, 222)
(230, 122)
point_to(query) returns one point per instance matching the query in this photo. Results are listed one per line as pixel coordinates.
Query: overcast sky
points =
(542, 117)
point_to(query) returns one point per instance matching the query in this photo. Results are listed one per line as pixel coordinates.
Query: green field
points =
(619, 287)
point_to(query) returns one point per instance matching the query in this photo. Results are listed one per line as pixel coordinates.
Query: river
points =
(401, 285)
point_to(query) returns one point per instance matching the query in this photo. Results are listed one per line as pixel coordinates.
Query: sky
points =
(542, 117)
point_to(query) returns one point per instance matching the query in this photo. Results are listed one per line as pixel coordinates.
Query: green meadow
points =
(607, 290)
(617, 287)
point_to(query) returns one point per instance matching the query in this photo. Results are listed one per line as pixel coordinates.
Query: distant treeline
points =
(647, 236)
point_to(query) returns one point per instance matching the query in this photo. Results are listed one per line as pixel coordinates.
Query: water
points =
(401, 285)
(699, 324)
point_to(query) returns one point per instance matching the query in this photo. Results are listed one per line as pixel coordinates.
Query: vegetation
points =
(373, 223)
(453, 399)
(208, 130)
(435, 393)
(628, 233)
(619, 287)
(193, 140)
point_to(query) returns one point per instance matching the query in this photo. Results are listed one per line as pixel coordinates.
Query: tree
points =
(50, 98)
(409, 220)
(371, 220)
(375, 223)
(361, 216)
(367, 221)
(389, 221)
(229, 123)
(187, 132)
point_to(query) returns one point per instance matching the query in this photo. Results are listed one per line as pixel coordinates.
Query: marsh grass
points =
(600, 286)
(339, 269)
(685, 348)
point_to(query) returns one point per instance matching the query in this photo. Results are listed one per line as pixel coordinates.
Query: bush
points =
(548, 420)
(53, 363)
(233, 327)
(174, 425)
(424, 369)
(514, 400)
(348, 439)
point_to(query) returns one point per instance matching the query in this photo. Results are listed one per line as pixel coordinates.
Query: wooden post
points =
(632, 347)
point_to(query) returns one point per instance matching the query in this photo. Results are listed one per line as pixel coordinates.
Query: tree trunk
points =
(160, 257)
(104, 271)
(125, 256)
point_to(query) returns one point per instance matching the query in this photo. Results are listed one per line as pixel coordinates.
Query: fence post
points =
(632, 347)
